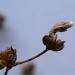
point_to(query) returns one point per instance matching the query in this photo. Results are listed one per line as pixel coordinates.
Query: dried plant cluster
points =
(51, 41)
(8, 56)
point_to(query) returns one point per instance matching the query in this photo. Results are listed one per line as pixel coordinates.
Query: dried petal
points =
(53, 37)
(61, 27)
(58, 49)
(59, 45)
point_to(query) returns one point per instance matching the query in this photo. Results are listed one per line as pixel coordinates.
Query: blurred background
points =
(27, 21)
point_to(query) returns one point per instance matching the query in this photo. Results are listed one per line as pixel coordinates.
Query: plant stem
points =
(30, 59)
(6, 71)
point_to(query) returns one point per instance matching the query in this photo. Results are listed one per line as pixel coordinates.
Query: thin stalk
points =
(6, 71)
(30, 59)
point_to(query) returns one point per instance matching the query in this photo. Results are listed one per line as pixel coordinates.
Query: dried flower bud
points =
(52, 43)
(61, 27)
(8, 57)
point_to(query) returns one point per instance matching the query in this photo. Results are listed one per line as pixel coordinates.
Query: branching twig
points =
(30, 59)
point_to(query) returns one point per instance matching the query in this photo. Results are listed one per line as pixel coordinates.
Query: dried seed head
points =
(59, 45)
(51, 41)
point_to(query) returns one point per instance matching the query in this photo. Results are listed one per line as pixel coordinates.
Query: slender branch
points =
(6, 71)
(30, 59)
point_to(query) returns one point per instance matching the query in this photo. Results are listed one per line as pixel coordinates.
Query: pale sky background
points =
(27, 21)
